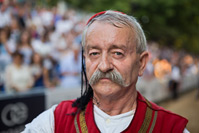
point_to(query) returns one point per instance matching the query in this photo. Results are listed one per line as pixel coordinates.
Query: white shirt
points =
(42, 48)
(21, 77)
(68, 64)
(5, 18)
(112, 124)
(175, 74)
(46, 18)
(44, 123)
(63, 26)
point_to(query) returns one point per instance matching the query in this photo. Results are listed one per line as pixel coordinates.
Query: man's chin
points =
(106, 88)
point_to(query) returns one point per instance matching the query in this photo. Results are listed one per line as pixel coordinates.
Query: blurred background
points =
(40, 55)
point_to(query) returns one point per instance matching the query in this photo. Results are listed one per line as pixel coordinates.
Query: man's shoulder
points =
(164, 113)
(164, 119)
(67, 102)
(169, 118)
(66, 107)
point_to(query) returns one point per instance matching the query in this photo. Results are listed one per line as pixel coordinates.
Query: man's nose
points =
(105, 64)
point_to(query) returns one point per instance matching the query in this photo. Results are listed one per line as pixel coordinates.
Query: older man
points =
(115, 54)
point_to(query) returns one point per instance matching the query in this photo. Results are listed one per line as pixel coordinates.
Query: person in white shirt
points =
(70, 69)
(18, 76)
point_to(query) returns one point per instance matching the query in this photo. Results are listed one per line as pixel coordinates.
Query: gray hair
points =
(114, 76)
(115, 18)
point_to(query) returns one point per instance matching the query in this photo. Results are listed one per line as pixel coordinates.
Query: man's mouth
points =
(104, 79)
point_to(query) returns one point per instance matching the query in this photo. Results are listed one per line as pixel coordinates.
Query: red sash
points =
(148, 118)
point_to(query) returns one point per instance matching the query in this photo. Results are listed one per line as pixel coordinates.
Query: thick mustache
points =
(113, 75)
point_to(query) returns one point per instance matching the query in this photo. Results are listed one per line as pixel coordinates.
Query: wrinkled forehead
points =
(96, 25)
(99, 32)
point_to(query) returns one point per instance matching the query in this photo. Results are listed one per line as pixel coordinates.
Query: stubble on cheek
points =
(89, 69)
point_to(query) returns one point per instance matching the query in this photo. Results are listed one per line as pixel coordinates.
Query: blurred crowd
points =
(172, 66)
(41, 48)
(165, 62)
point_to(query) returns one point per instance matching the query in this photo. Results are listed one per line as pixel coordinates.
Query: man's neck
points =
(116, 105)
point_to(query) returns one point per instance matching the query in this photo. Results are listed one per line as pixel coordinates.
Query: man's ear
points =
(144, 57)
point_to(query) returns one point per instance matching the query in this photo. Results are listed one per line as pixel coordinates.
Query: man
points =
(115, 54)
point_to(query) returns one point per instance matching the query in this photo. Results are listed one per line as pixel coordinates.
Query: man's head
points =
(115, 52)
(118, 19)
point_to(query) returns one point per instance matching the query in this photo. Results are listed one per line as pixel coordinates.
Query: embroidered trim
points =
(147, 119)
(83, 122)
(154, 121)
(76, 125)
(148, 103)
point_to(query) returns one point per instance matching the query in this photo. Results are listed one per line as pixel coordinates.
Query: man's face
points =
(109, 48)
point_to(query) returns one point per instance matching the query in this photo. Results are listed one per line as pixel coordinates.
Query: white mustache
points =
(114, 76)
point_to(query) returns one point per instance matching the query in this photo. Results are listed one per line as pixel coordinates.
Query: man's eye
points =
(118, 53)
(94, 54)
